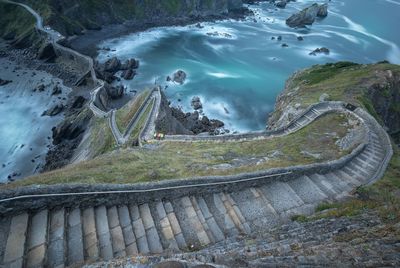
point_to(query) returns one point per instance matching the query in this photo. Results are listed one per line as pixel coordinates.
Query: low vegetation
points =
(170, 160)
(124, 115)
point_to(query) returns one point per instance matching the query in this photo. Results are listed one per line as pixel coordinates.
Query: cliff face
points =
(71, 17)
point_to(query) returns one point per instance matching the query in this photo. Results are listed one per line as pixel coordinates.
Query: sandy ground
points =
(25, 135)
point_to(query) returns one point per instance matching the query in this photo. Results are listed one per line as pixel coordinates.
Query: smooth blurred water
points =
(238, 76)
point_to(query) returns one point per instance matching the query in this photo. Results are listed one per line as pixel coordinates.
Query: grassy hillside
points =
(17, 24)
(167, 160)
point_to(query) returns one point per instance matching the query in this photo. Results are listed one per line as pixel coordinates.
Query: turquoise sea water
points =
(239, 73)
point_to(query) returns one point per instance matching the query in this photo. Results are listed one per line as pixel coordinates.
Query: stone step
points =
(235, 213)
(56, 249)
(202, 219)
(364, 164)
(370, 150)
(163, 224)
(374, 157)
(217, 234)
(196, 228)
(307, 190)
(354, 173)
(371, 159)
(36, 240)
(4, 229)
(117, 239)
(350, 181)
(346, 177)
(281, 196)
(344, 186)
(222, 218)
(15, 247)
(75, 253)
(91, 244)
(139, 231)
(358, 169)
(103, 233)
(127, 231)
(153, 238)
(256, 209)
(324, 185)
(176, 228)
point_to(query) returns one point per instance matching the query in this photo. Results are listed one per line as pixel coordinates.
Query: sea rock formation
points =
(307, 16)
(322, 50)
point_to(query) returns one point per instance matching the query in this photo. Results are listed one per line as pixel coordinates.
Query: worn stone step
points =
(217, 234)
(255, 208)
(176, 228)
(127, 231)
(103, 233)
(344, 186)
(281, 196)
(235, 213)
(15, 247)
(153, 238)
(75, 250)
(358, 169)
(91, 244)
(221, 216)
(117, 239)
(4, 229)
(56, 249)
(375, 158)
(371, 160)
(351, 183)
(138, 228)
(36, 241)
(346, 177)
(196, 228)
(163, 224)
(202, 219)
(307, 190)
(324, 185)
(354, 174)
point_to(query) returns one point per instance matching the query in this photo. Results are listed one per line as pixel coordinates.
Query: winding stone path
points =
(73, 235)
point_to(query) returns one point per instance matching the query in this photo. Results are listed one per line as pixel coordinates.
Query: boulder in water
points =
(4, 82)
(307, 16)
(179, 77)
(196, 103)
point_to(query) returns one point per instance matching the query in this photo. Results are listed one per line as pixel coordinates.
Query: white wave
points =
(222, 75)
(393, 54)
(348, 37)
(393, 2)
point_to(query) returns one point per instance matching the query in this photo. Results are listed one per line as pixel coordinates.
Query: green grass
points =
(101, 137)
(124, 115)
(170, 160)
(140, 124)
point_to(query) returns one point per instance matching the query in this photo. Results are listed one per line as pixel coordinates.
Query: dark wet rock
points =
(196, 103)
(128, 74)
(279, 38)
(47, 52)
(169, 264)
(112, 65)
(322, 50)
(300, 38)
(114, 92)
(179, 77)
(53, 111)
(56, 91)
(285, 45)
(78, 102)
(281, 4)
(4, 82)
(70, 129)
(307, 16)
(40, 88)
(130, 64)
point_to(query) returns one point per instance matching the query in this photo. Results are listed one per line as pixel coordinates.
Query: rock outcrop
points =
(4, 82)
(307, 16)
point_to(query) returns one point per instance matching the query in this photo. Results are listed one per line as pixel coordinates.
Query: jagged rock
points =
(179, 77)
(56, 91)
(55, 110)
(130, 64)
(4, 82)
(300, 38)
(78, 102)
(40, 88)
(323, 50)
(70, 129)
(47, 52)
(307, 16)
(196, 103)
(285, 45)
(128, 74)
(112, 65)
(114, 92)
(324, 97)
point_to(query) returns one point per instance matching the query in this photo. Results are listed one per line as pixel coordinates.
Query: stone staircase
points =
(71, 236)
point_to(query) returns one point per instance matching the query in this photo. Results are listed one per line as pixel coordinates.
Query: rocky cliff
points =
(71, 17)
